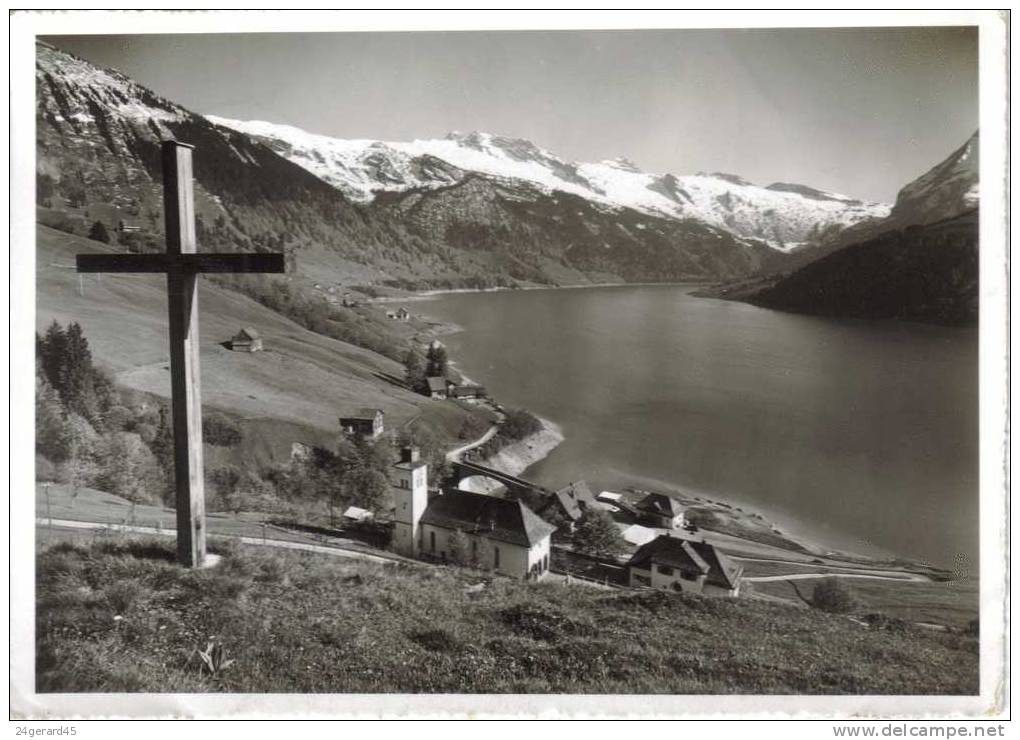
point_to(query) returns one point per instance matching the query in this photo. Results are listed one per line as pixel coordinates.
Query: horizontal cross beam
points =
(183, 263)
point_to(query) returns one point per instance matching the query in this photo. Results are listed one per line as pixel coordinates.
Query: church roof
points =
(488, 516)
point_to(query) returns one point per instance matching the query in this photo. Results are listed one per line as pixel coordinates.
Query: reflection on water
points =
(863, 432)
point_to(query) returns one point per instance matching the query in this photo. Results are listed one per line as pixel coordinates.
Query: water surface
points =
(861, 434)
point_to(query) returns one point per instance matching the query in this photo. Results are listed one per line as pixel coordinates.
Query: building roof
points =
(635, 534)
(356, 512)
(437, 383)
(684, 553)
(363, 413)
(468, 390)
(573, 499)
(489, 516)
(610, 496)
(673, 551)
(247, 332)
(722, 571)
(661, 504)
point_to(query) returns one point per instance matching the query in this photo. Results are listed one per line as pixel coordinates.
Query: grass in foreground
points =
(117, 615)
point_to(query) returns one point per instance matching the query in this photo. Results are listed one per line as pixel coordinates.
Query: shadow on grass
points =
(140, 550)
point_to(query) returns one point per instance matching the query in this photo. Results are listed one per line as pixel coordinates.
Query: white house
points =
(680, 564)
(471, 528)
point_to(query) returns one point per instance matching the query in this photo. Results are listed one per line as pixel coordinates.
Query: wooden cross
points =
(182, 265)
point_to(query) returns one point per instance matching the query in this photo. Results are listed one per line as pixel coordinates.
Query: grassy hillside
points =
(118, 615)
(293, 391)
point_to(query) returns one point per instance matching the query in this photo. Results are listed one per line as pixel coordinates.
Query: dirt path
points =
(456, 453)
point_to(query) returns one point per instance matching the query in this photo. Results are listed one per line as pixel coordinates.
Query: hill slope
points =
(314, 624)
(922, 273)
(303, 380)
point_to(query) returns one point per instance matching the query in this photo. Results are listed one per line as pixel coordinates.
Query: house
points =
(679, 564)
(475, 529)
(438, 387)
(246, 340)
(660, 510)
(126, 228)
(402, 314)
(466, 392)
(364, 422)
(570, 502)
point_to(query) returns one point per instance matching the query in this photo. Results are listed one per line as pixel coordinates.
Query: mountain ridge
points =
(783, 216)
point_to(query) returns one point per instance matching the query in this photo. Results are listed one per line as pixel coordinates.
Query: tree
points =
(458, 549)
(414, 371)
(436, 361)
(52, 432)
(834, 595)
(128, 468)
(367, 488)
(76, 376)
(50, 350)
(597, 534)
(99, 233)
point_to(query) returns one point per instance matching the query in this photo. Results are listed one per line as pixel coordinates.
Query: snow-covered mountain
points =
(947, 189)
(437, 225)
(781, 214)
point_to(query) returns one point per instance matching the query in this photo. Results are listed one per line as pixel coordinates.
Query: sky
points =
(856, 111)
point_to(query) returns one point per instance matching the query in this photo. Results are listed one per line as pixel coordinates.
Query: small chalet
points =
(126, 228)
(365, 422)
(660, 510)
(438, 387)
(246, 340)
(402, 314)
(680, 564)
(502, 535)
(466, 392)
(570, 502)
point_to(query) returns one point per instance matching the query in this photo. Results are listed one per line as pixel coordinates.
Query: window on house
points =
(495, 557)
(642, 580)
(432, 541)
(665, 570)
(474, 547)
(688, 576)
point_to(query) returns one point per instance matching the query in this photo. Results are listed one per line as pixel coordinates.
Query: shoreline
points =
(735, 521)
(424, 295)
(518, 456)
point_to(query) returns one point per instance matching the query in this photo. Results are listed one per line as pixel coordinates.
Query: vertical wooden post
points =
(179, 208)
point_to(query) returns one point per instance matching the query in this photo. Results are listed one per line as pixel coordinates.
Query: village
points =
(522, 530)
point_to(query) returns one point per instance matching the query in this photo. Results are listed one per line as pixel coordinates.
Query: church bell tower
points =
(409, 482)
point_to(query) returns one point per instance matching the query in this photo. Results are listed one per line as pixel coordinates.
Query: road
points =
(805, 576)
(456, 453)
(282, 544)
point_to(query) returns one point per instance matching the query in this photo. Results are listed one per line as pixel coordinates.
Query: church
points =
(473, 529)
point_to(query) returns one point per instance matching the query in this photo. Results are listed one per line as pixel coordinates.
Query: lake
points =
(859, 435)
